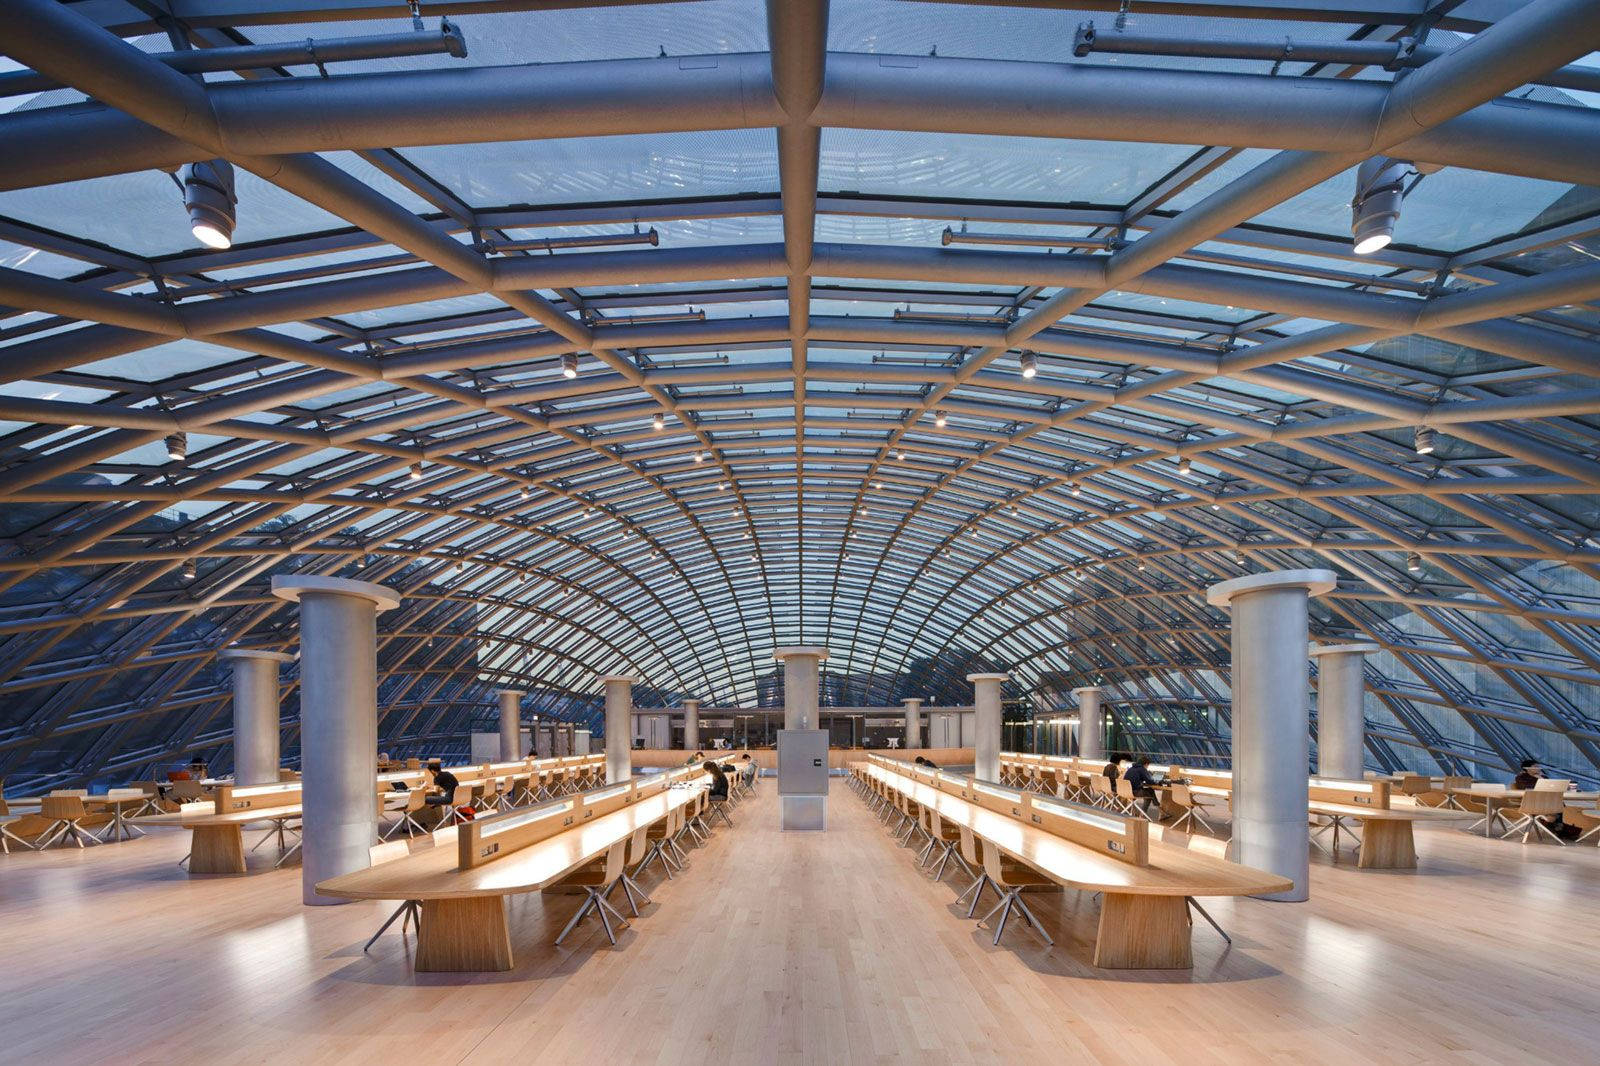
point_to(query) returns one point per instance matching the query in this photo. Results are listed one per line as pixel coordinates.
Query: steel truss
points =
(914, 509)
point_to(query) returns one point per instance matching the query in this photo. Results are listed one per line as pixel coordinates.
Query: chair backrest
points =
(1100, 785)
(462, 796)
(639, 842)
(124, 793)
(62, 807)
(1552, 784)
(1456, 782)
(1124, 789)
(197, 807)
(1537, 802)
(187, 790)
(991, 862)
(1179, 795)
(388, 851)
(446, 837)
(616, 859)
(416, 799)
(969, 850)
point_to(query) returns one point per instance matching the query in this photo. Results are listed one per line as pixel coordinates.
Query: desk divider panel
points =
(605, 800)
(484, 840)
(1006, 801)
(1374, 794)
(232, 798)
(1124, 839)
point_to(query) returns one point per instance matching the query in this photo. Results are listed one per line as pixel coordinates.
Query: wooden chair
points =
(657, 839)
(1217, 849)
(410, 910)
(1587, 819)
(1075, 788)
(416, 801)
(462, 797)
(489, 798)
(948, 837)
(1100, 793)
(1190, 809)
(1009, 879)
(638, 853)
(970, 857)
(1129, 802)
(520, 793)
(66, 814)
(30, 824)
(597, 881)
(1537, 804)
(446, 837)
(1449, 783)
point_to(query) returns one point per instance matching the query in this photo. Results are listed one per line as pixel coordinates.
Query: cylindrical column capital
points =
(798, 651)
(619, 727)
(913, 703)
(801, 684)
(1091, 690)
(1314, 582)
(292, 587)
(1341, 721)
(256, 654)
(986, 724)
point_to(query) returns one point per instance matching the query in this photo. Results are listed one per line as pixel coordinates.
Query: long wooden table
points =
(463, 925)
(1144, 914)
(217, 844)
(1387, 839)
(121, 827)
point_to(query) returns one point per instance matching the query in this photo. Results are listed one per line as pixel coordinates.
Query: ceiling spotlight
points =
(1183, 465)
(208, 195)
(877, 484)
(1414, 562)
(659, 421)
(754, 558)
(1141, 564)
(177, 446)
(938, 419)
(1030, 364)
(189, 570)
(722, 486)
(1380, 187)
(1423, 440)
(901, 455)
(461, 564)
(416, 471)
(569, 365)
(1075, 488)
(1216, 506)
(699, 457)
(523, 492)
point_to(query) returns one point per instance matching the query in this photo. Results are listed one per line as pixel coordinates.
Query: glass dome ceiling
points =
(800, 254)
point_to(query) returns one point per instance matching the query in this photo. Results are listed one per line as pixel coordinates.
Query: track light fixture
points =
(699, 457)
(1423, 440)
(938, 419)
(1030, 365)
(177, 446)
(659, 421)
(1380, 187)
(1414, 562)
(416, 471)
(900, 455)
(569, 365)
(1075, 488)
(208, 196)
(523, 492)
(189, 570)
(1183, 465)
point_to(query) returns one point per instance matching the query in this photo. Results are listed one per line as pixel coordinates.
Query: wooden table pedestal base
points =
(463, 935)
(1143, 933)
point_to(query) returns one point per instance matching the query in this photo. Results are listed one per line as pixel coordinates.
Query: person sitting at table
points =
(442, 791)
(697, 757)
(1140, 780)
(719, 781)
(197, 768)
(1110, 772)
(748, 769)
(1528, 773)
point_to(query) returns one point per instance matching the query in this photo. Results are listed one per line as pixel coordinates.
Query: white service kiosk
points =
(803, 778)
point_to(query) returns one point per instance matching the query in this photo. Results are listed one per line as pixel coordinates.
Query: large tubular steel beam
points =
(921, 93)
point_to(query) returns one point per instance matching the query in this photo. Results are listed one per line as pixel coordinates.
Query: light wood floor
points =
(804, 948)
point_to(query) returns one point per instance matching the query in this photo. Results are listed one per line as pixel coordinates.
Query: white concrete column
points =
(1341, 725)
(1271, 743)
(619, 728)
(255, 713)
(691, 725)
(1091, 723)
(510, 724)
(913, 723)
(338, 722)
(800, 686)
(986, 725)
